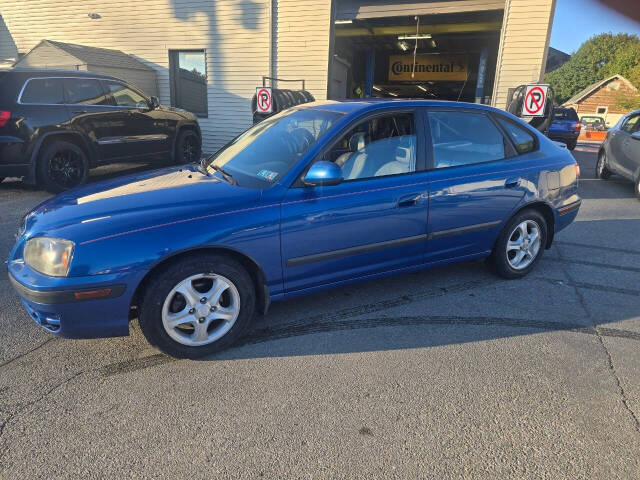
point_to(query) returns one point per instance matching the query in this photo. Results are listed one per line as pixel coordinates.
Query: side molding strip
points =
(463, 230)
(345, 252)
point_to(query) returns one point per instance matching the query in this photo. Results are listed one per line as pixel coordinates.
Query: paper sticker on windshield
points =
(267, 175)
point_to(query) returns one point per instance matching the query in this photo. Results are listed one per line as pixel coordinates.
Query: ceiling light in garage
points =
(377, 89)
(393, 94)
(403, 46)
(343, 22)
(415, 37)
(421, 88)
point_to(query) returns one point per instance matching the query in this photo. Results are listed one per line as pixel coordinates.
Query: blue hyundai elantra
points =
(320, 195)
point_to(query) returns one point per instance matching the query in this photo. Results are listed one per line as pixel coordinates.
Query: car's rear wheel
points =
(197, 306)
(520, 245)
(61, 166)
(572, 145)
(188, 147)
(602, 171)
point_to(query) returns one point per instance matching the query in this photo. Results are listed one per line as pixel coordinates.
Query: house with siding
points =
(602, 99)
(209, 56)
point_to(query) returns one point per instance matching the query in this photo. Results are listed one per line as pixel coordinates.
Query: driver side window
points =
(125, 97)
(378, 147)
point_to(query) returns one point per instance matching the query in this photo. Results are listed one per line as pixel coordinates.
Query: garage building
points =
(209, 55)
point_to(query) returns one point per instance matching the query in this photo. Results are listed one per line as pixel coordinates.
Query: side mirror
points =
(635, 135)
(155, 103)
(323, 173)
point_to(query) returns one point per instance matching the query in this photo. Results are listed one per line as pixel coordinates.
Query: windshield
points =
(565, 114)
(265, 152)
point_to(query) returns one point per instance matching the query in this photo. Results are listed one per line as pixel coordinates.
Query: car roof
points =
(363, 105)
(55, 72)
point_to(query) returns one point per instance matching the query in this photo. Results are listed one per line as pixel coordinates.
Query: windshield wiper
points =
(203, 167)
(227, 176)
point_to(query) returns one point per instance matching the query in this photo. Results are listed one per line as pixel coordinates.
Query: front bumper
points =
(60, 311)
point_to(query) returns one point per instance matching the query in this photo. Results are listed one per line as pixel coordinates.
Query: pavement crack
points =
(609, 358)
(24, 354)
(23, 408)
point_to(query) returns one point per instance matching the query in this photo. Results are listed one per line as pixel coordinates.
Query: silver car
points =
(620, 152)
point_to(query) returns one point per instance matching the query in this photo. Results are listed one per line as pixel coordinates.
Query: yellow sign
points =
(448, 68)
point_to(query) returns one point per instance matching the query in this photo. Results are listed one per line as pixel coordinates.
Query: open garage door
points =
(455, 43)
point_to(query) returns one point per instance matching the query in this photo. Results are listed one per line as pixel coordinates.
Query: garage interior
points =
(374, 57)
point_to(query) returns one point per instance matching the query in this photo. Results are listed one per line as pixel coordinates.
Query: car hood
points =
(134, 202)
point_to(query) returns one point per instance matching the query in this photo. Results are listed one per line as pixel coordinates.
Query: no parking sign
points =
(535, 99)
(264, 100)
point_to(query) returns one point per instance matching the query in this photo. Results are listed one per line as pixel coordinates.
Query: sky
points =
(578, 20)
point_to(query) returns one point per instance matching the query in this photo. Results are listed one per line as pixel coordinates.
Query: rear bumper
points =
(564, 137)
(13, 162)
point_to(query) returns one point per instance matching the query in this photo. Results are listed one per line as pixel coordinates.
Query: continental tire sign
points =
(452, 68)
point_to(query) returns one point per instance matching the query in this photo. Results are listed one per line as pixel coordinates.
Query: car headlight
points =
(50, 256)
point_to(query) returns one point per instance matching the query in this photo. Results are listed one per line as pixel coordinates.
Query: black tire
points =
(162, 284)
(61, 166)
(188, 147)
(602, 172)
(500, 259)
(572, 145)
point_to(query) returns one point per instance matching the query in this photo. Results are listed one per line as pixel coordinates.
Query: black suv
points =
(55, 125)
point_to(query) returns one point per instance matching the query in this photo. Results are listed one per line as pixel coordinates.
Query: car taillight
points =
(4, 117)
(577, 127)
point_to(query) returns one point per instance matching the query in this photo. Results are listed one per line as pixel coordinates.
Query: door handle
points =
(409, 200)
(78, 111)
(512, 183)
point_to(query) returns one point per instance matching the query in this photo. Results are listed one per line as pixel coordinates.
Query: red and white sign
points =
(535, 100)
(264, 100)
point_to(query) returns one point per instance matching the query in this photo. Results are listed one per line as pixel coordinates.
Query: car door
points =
(90, 110)
(138, 130)
(374, 221)
(619, 157)
(476, 180)
(630, 158)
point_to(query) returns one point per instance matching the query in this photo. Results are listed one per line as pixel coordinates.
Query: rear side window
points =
(43, 91)
(85, 91)
(524, 141)
(464, 138)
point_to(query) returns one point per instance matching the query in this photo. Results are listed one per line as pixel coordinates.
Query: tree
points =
(599, 57)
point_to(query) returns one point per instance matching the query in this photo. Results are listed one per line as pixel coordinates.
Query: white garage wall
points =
(234, 33)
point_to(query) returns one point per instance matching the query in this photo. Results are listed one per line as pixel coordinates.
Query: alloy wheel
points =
(523, 245)
(189, 150)
(201, 309)
(66, 168)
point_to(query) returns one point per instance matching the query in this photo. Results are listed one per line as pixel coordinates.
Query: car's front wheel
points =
(520, 245)
(188, 147)
(602, 171)
(197, 306)
(61, 166)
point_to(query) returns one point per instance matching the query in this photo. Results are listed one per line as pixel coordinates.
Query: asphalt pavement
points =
(447, 373)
